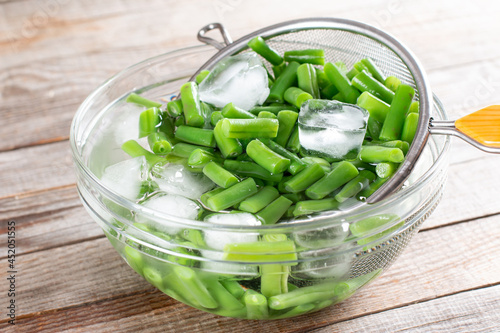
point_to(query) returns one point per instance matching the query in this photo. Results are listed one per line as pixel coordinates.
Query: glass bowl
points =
(253, 272)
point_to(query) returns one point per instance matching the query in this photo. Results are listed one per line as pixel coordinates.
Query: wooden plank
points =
(55, 87)
(437, 263)
(477, 310)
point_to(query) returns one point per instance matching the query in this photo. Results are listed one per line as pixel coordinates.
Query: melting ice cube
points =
(126, 177)
(176, 179)
(331, 128)
(240, 79)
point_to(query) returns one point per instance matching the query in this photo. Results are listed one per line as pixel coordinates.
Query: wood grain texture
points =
(106, 285)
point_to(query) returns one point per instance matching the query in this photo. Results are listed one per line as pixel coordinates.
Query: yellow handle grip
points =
(482, 126)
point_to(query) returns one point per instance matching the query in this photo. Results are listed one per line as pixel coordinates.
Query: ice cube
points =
(240, 79)
(126, 177)
(332, 263)
(331, 128)
(177, 179)
(216, 240)
(171, 204)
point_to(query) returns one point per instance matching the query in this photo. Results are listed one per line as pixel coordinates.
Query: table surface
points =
(55, 52)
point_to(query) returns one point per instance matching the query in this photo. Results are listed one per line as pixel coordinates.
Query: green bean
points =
(274, 277)
(219, 175)
(293, 143)
(191, 105)
(341, 82)
(234, 288)
(307, 207)
(194, 135)
(373, 69)
(414, 107)
(410, 127)
(249, 128)
(134, 149)
(205, 196)
(259, 45)
(286, 79)
(215, 117)
(261, 252)
(201, 76)
(322, 78)
(158, 143)
(295, 197)
(137, 99)
(229, 147)
(185, 150)
(311, 56)
(340, 97)
(393, 124)
(377, 108)
(392, 83)
(352, 73)
(223, 297)
(296, 96)
(195, 286)
(298, 163)
(386, 169)
(267, 158)
(258, 201)
(167, 127)
(194, 236)
(297, 311)
(251, 169)
(340, 175)
(341, 66)
(232, 195)
(277, 70)
(180, 121)
(365, 82)
(362, 165)
(256, 305)
(149, 120)
(329, 91)
(232, 111)
(272, 108)
(305, 178)
(307, 80)
(274, 211)
(199, 158)
(373, 128)
(355, 185)
(287, 121)
(374, 186)
(267, 114)
(377, 154)
(317, 160)
(304, 295)
(403, 145)
(134, 259)
(371, 224)
(174, 108)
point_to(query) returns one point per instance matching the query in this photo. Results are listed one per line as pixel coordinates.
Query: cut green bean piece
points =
(185, 150)
(199, 158)
(272, 108)
(386, 169)
(329, 91)
(414, 107)
(377, 154)
(322, 78)
(198, 136)
(286, 79)
(365, 82)
(232, 195)
(191, 105)
(267, 158)
(232, 111)
(304, 295)
(377, 108)
(219, 175)
(296, 96)
(134, 149)
(287, 121)
(392, 83)
(341, 82)
(149, 120)
(229, 147)
(274, 211)
(259, 45)
(134, 259)
(307, 80)
(310, 56)
(159, 144)
(362, 165)
(279, 149)
(410, 127)
(352, 73)
(309, 160)
(274, 277)
(355, 185)
(205, 196)
(215, 117)
(267, 114)
(251, 169)
(372, 224)
(256, 305)
(304, 179)
(180, 121)
(174, 108)
(191, 281)
(261, 252)
(261, 199)
(341, 66)
(200, 77)
(393, 124)
(167, 127)
(234, 288)
(295, 197)
(249, 128)
(137, 99)
(307, 207)
(373, 128)
(223, 297)
(373, 69)
(299, 310)
(375, 185)
(293, 143)
(340, 175)
(277, 70)
(403, 145)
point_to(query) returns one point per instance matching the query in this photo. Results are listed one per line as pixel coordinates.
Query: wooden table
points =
(55, 52)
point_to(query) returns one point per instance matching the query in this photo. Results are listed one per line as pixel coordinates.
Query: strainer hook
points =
(210, 41)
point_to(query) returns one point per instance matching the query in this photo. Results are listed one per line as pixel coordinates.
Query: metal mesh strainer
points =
(350, 41)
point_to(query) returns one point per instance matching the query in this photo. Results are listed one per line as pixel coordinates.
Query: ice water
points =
(332, 129)
(241, 80)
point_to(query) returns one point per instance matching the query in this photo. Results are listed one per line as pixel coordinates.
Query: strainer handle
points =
(210, 41)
